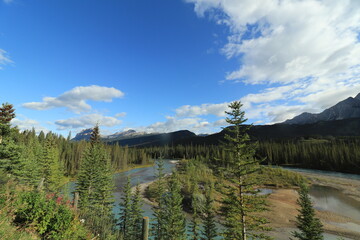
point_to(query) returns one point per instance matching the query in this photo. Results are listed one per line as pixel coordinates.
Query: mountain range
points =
(86, 133)
(342, 119)
(346, 109)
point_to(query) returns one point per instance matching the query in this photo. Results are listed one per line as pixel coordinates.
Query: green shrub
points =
(49, 217)
(279, 177)
(3, 180)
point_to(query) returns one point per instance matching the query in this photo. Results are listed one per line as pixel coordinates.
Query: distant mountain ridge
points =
(83, 135)
(342, 119)
(86, 133)
(346, 109)
(124, 135)
(133, 138)
(159, 139)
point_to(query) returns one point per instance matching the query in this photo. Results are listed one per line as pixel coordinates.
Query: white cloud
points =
(193, 124)
(4, 58)
(75, 99)
(120, 115)
(308, 49)
(172, 124)
(202, 110)
(220, 123)
(87, 121)
(28, 124)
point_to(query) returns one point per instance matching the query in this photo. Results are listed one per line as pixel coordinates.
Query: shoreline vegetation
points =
(283, 205)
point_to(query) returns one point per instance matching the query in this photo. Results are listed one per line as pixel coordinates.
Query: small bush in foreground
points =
(49, 217)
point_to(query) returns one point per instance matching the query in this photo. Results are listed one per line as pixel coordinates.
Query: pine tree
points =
(158, 227)
(136, 215)
(29, 167)
(51, 169)
(210, 231)
(95, 185)
(195, 204)
(174, 219)
(241, 201)
(125, 211)
(7, 113)
(9, 154)
(195, 226)
(9, 150)
(310, 227)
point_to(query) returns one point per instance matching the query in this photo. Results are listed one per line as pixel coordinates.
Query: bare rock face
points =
(348, 108)
(83, 135)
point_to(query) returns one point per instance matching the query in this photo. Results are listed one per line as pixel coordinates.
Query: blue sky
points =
(165, 65)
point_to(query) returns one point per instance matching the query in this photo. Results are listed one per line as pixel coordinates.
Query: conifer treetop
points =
(7, 113)
(95, 135)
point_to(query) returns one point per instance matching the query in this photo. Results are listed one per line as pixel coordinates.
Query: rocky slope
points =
(346, 109)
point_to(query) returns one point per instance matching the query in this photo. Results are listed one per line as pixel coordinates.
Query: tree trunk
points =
(243, 223)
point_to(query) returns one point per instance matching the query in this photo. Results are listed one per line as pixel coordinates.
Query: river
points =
(324, 198)
(138, 176)
(330, 199)
(327, 198)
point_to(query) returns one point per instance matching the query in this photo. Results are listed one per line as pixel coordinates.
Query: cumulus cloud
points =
(203, 109)
(75, 99)
(28, 124)
(87, 121)
(309, 50)
(4, 58)
(172, 124)
(194, 124)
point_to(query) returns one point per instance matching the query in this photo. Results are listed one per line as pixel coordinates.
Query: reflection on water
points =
(138, 176)
(349, 225)
(333, 200)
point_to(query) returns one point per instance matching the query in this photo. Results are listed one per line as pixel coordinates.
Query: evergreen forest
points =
(213, 193)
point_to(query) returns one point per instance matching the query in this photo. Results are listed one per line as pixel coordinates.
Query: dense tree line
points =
(30, 156)
(335, 154)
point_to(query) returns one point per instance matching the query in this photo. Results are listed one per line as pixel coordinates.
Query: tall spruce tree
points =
(9, 150)
(51, 169)
(195, 204)
(242, 199)
(29, 168)
(7, 113)
(195, 225)
(158, 227)
(125, 219)
(136, 215)
(95, 183)
(174, 218)
(10, 153)
(310, 227)
(209, 227)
